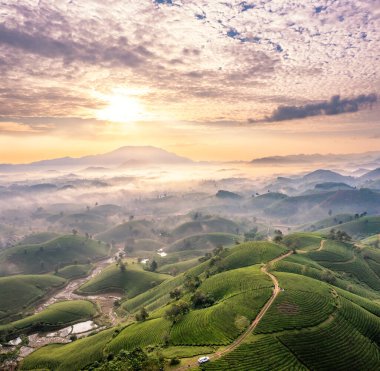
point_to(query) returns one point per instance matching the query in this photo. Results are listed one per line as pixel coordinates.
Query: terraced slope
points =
(203, 242)
(45, 257)
(138, 229)
(57, 315)
(20, 292)
(359, 228)
(133, 281)
(315, 318)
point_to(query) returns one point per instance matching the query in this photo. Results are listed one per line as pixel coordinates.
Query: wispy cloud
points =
(335, 106)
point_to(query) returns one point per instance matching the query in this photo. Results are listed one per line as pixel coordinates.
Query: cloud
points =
(10, 127)
(335, 106)
(114, 53)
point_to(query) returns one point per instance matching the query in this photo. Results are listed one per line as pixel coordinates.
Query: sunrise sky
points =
(210, 80)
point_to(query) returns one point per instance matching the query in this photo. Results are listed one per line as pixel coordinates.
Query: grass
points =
(186, 351)
(338, 345)
(310, 325)
(208, 225)
(154, 298)
(42, 258)
(133, 281)
(150, 332)
(146, 244)
(69, 357)
(18, 293)
(357, 269)
(250, 253)
(359, 228)
(37, 238)
(137, 229)
(297, 307)
(221, 323)
(333, 251)
(304, 241)
(178, 267)
(332, 221)
(266, 353)
(75, 271)
(226, 284)
(203, 242)
(55, 316)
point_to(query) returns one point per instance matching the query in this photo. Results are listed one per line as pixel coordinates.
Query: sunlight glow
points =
(122, 107)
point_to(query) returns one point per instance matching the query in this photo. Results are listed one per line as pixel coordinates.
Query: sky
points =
(210, 80)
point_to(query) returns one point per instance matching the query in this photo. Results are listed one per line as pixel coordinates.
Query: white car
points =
(203, 360)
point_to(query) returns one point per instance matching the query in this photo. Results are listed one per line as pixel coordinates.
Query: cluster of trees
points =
(142, 315)
(202, 300)
(135, 360)
(341, 236)
(278, 236)
(177, 311)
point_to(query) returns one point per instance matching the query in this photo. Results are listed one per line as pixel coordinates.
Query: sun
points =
(122, 107)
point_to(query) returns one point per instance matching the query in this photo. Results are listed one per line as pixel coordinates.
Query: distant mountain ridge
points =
(124, 156)
(316, 158)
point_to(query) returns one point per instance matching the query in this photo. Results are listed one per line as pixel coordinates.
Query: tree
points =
(176, 311)
(122, 266)
(202, 300)
(278, 236)
(192, 282)
(153, 266)
(142, 315)
(218, 250)
(176, 293)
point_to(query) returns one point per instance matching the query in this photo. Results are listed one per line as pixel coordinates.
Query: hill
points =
(327, 300)
(131, 282)
(205, 225)
(37, 238)
(135, 229)
(202, 242)
(55, 316)
(327, 222)
(46, 257)
(322, 175)
(359, 228)
(19, 293)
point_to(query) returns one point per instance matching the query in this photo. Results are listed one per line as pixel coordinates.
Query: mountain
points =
(371, 175)
(317, 158)
(124, 156)
(322, 175)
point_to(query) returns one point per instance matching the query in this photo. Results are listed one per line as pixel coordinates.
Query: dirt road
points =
(253, 325)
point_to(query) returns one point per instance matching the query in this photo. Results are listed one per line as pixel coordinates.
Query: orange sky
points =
(210, 81)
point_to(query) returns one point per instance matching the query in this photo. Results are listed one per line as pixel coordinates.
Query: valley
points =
(247, 272)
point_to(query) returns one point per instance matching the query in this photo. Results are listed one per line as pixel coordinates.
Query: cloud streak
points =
(335, 106)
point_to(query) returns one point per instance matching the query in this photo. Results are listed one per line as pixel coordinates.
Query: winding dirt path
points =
(321, 246)
(253, 325)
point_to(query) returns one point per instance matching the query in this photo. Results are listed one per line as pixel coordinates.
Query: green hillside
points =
(205, 225)
(135, 229)
(37, 238)
(55, 316)
(74, 271)
(203, 242)
(326, 315)
(87, 222)
(46, 257)
(18, 293)
(328, 222)
(130, 282)
(359, 228)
